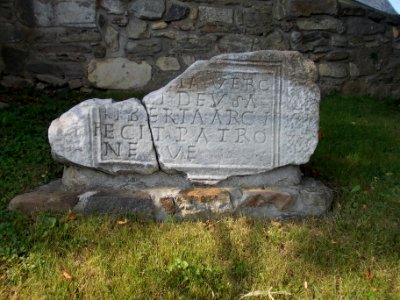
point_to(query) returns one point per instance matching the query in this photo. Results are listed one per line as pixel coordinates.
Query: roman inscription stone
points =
(236, 114)
(113, 137)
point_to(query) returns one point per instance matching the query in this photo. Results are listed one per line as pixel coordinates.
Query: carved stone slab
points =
(113, 137)
(236, 114)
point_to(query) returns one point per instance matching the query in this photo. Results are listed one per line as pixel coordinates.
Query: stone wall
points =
(142, 44)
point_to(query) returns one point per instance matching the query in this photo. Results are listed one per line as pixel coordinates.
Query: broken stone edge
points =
(305, 74)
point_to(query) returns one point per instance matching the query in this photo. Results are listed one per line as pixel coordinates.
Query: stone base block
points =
(78, 178)
(309, 198)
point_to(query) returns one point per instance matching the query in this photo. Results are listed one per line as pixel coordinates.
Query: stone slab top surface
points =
(233, 115)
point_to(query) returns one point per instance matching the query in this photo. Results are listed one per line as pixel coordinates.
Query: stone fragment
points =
(255, 198)
(203, 203)
(335, 70)
(118, 73)
(115, 202)
(159, 25)
(111, 38)
(168, 63)
(321, 23)
(301, 8)
(136, 29)
(236, 114)
(112, 137)
(211, 15)
(150, 10)
(51, 198)
(176, 12)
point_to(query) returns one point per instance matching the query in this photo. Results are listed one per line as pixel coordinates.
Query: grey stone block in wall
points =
(77, 13)
(118, 73)
(151, 10)
(210, 15)
(301, 8)
(136, 28)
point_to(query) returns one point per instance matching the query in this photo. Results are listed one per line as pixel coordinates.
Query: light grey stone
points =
(150, 10)
(236, 114)
(166, 63)
(111, 38)
(210, 15)
(321, 23)
(44, 12)
(136, 29)
(118, 73)
(77, 13)
(113, 137)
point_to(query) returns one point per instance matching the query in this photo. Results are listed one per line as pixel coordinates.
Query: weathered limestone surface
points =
(236, 114)
(118, 73)
(113, 137)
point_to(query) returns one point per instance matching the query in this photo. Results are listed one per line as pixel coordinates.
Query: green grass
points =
(352, 254)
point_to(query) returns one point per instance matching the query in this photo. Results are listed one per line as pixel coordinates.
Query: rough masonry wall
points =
(141, 44)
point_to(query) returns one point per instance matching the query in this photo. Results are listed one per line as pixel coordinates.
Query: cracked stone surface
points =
(233, 115)
(236, 114)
